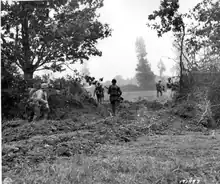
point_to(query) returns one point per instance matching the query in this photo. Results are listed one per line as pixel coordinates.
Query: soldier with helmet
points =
(115, 92)
(99, 92)
(38, 102)
(159, 88)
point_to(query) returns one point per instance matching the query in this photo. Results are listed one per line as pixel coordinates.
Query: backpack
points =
(114, 90)
(159, 87)
(32, 91)
(169, 85)
(99, 90)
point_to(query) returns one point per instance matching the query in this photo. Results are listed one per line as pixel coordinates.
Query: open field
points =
(154, 148)
(134, 95)
(151, 159)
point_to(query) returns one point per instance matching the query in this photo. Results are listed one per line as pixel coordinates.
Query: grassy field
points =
(155, 148)
(134, 95)
(156, 159)
(131, 96)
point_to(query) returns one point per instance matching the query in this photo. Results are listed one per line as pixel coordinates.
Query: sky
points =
(128, 20)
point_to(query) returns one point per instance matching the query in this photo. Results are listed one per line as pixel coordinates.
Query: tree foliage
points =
(92, 80)
(144, 75)
(12, 89)
(204, 34)
(197, 41)
(38, 35)
(166, 19)
(168, 16)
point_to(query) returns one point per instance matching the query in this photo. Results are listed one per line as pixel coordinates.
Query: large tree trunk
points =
(28, 77)
(181, 60)
(27, 66)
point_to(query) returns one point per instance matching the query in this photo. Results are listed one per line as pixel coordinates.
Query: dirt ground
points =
(144, 143)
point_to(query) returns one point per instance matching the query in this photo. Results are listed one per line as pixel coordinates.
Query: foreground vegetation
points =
(152, 159)
(143, 146)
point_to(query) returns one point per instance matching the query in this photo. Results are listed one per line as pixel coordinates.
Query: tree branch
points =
(36, 65)
(46, 59)
(15, 60)
(40, 69)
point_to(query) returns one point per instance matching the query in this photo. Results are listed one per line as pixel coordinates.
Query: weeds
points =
(109, 150)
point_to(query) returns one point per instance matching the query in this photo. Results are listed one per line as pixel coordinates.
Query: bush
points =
(12, 94)
(71, 94)
(185, 109)
(214, 97)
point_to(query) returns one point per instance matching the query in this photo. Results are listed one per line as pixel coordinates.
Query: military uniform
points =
(169, 89)
(159, 88)
(102, 93)
(38, 103)
(115, 92)
(99, 91)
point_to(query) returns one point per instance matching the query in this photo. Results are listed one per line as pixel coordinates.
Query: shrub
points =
(12, 94)
(214, 97)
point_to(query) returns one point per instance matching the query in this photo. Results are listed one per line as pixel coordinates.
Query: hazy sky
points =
(128, 20)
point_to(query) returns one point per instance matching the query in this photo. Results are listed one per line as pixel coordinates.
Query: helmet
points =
(114, 81)
(44, 85)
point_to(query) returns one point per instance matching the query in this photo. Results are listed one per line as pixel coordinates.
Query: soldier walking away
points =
(98, 92)
(115, 92)
(169, 83)
(159, 88)
(102, 94)
(38, 102)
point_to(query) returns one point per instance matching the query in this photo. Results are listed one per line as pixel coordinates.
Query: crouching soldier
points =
(39, 102)
(115, 92)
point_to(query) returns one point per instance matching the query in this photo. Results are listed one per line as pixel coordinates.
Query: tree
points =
(198, 41)
(170, 20)
(144, 75)
(205, 34)
(39, 35)
(161, 66)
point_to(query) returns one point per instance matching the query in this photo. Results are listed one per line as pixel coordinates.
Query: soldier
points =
(98, 92)
(115, 92)
(169, 83)
(39, 102)
(169, 87)
(102, 93)
(159, 88)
